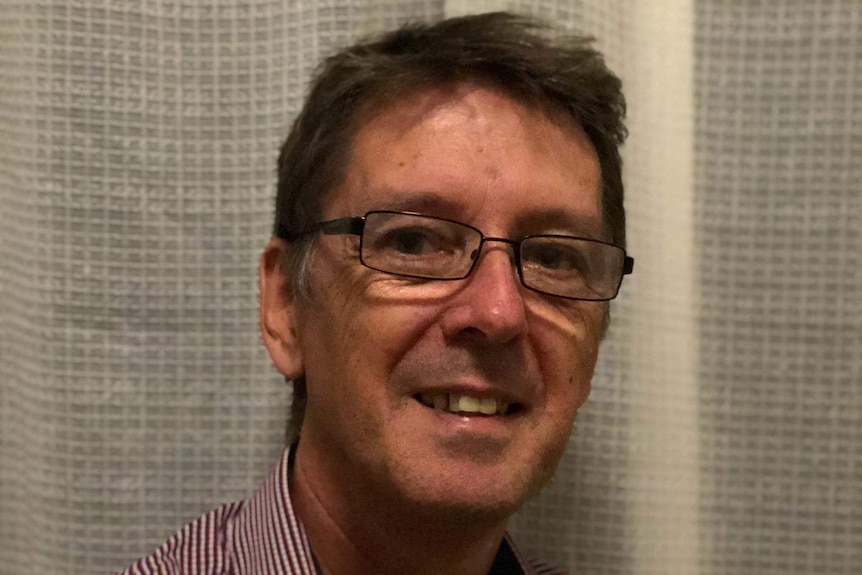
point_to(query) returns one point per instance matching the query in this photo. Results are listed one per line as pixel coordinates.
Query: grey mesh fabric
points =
(137, 167)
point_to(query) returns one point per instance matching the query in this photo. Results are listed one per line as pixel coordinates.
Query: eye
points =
(417, 246)
(411, 241)
(553, 255)
(550, 257)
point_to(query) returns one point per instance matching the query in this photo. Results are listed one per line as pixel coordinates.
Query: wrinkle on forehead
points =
(469, 140)
(458, 101)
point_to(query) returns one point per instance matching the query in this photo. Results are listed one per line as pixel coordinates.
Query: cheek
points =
(391, 330)
(362, 321)
(575, 374)
(376, 333)
(568, 357)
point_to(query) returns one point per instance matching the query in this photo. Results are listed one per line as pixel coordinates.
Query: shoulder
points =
(258, 536)
(510, 559)
(199, 548)
(539, 567)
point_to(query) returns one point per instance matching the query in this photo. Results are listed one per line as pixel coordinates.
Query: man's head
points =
(513, 54)
(484, 121)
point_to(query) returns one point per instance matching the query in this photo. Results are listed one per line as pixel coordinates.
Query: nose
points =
(491, 305)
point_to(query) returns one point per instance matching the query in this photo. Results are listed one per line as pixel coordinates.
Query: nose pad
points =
(492, 305)
(513, 255)
(510, 247)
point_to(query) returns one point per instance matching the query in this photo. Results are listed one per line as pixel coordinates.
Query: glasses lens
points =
(572, 267)
(418, 246)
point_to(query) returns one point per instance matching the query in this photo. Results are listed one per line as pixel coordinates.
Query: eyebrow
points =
(542, 221)
(423, 202)
(558, 220)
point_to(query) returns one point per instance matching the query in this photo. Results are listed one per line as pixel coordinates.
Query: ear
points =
(277, 311)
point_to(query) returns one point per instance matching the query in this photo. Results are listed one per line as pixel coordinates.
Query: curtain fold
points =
(137, 169)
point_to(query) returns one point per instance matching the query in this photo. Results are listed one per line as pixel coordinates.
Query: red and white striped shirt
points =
(263, 536)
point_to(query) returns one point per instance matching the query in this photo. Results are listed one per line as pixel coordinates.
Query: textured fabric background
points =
(137, 151)
(779, 226)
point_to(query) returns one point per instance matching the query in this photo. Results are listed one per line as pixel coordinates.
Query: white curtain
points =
(137, 152)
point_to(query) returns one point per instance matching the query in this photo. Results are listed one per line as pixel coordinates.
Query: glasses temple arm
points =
(341, 226)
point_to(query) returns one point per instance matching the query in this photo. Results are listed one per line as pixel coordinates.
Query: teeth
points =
(464, 403)
(455, 403)
(488, 406)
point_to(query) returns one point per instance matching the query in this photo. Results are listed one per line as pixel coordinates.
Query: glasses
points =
(427, 247)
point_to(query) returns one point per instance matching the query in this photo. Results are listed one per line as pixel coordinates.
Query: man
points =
(449, 228)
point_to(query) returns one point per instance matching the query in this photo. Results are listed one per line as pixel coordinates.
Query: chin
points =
(471, 494)
(463, 511)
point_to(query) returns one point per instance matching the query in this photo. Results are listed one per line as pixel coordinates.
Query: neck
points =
(355, 529)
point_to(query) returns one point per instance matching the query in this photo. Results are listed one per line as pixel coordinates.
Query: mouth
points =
(468, 406)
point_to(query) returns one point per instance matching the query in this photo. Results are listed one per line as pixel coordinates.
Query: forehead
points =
(472, 153)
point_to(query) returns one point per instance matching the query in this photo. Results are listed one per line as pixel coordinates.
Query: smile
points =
(466, 405)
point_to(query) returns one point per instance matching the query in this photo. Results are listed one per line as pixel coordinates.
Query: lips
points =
(461, 404)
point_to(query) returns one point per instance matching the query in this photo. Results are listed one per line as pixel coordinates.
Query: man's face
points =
(379, 351)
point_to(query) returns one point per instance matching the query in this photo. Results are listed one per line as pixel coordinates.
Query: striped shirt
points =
(263, 536)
